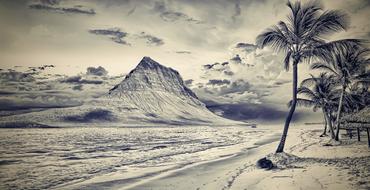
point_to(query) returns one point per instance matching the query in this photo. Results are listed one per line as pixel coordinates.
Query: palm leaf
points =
(329, 22)
(325, 67)
(273, 37)
(303, 102)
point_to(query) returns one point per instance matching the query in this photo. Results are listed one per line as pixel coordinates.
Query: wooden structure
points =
(358, 121)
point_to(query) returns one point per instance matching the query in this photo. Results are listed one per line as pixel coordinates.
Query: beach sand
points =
(307, 164)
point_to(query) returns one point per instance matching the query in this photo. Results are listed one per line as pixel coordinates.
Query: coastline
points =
(318, 167)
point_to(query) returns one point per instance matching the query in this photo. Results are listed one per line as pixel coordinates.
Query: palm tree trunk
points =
(328, 118)
(339, 112)
(292, 108)
(325, 123)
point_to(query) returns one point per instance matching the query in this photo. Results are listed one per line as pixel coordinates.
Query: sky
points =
(194, 37)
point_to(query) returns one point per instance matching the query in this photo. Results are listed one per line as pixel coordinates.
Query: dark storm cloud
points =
(80, 80)
(32, 101)
(218, 82)
(171, 16)
(150, 39)
(74, 10)
(115, 34)
(245, 111)
(97, 71)
(92, 116)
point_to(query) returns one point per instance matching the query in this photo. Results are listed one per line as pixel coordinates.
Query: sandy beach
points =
(307, 164)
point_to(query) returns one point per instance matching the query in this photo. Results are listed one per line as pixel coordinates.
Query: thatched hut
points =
(359, 120)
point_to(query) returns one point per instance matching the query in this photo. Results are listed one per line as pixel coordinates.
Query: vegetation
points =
(319, 93)
(302, 39)
(348, 66)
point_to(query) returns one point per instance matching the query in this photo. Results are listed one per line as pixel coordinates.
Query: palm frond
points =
(273, 37)
(309, 81)
(329, 22)
(303, 102)
(306, 92)
(309, 14)
(324, 67)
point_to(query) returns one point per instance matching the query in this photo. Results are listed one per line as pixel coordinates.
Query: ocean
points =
(61, 157)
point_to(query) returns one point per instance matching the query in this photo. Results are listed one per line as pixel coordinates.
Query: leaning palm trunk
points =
(339, 112)
(292, 108)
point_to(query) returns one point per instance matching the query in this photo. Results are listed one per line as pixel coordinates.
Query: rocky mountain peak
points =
(148, 62)
(150, 75)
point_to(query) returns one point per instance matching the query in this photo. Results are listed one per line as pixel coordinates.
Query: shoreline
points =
(313, 166)
(124, 181)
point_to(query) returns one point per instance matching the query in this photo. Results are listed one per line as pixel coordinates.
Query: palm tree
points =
(348, 65)
(301, 38)
(319, 92)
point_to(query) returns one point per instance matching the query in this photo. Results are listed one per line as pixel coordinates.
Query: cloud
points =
(246, 47)
(119, 36)
(78, 87)
(50, 2)
(131, 11)
(248, 76)
(226, 91)
(92, 116)
(189, 82)
(171, 16)
(215, 66)
(183, 52)
(150, 39)
(228, 73)
(98, 71)
(218, 82)
(79, 80)
(239, 86)
(15, 76)
(32, 101)
(115, 34)
(250, 111)
(236, 59)
(51, 6)
(237, 9)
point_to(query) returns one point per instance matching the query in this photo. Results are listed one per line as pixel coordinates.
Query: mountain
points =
(151, 94)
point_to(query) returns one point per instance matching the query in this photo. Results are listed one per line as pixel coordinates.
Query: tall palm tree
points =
(319, 92)
(300, 38)
(348, 65)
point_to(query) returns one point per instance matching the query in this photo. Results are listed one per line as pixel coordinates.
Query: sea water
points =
(49, 158)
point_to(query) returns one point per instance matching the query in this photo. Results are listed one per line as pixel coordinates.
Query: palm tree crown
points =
(307, 26)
